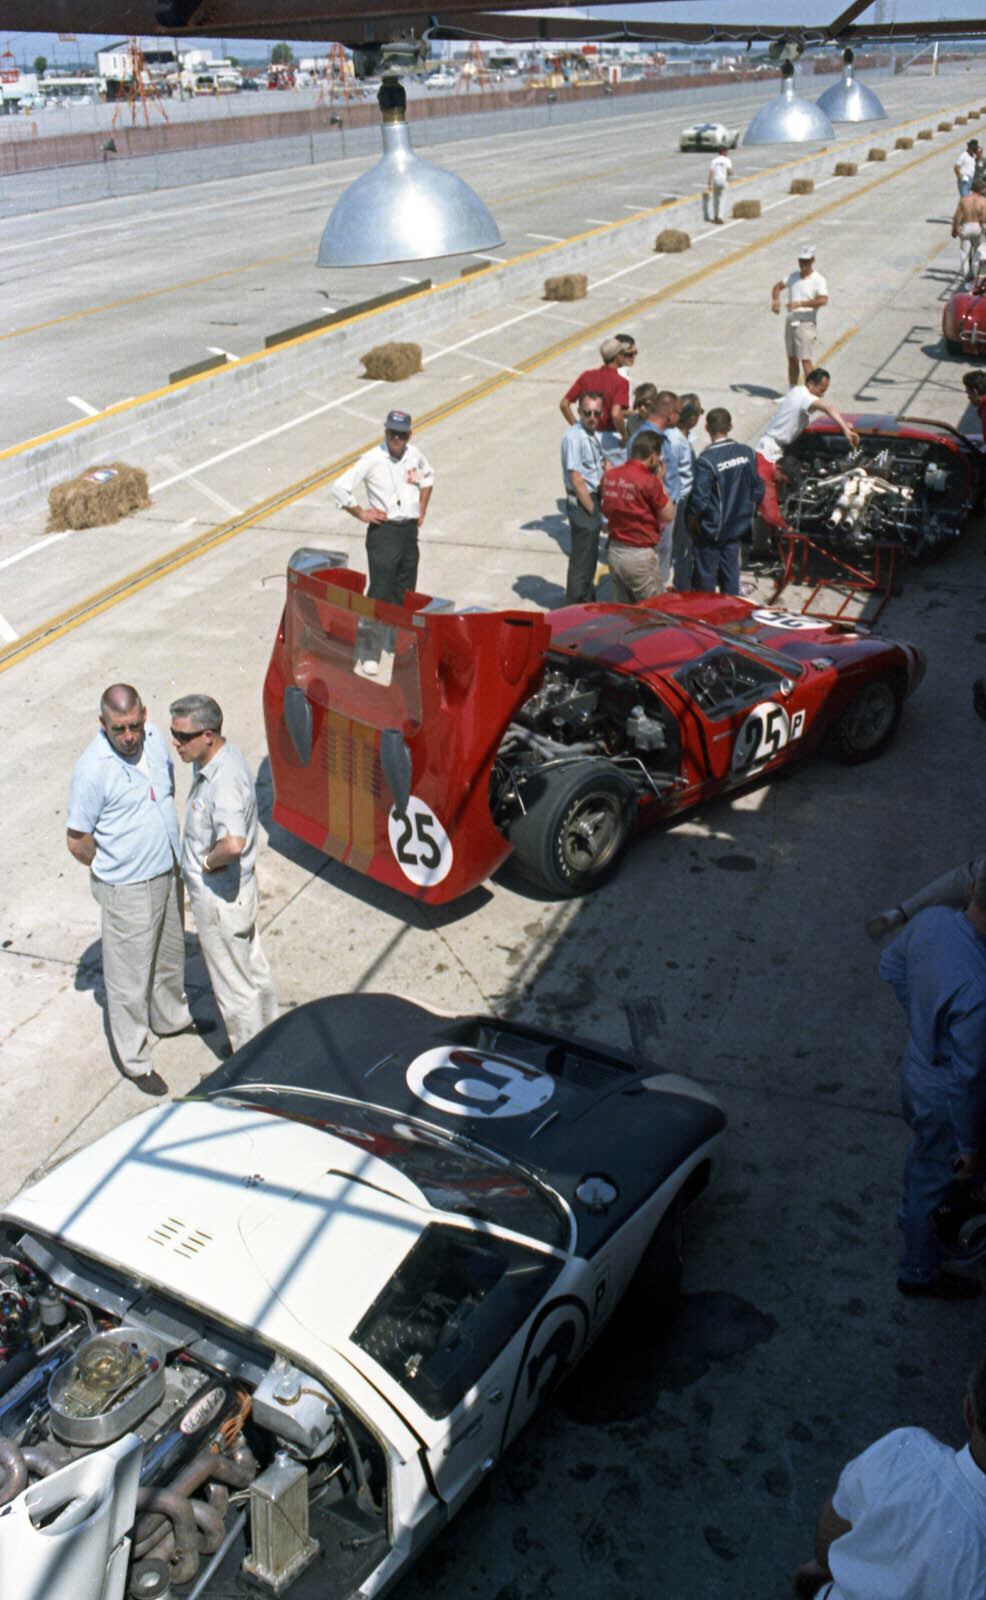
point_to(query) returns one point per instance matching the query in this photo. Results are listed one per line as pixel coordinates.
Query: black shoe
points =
(945, 1287)
(148, 1083)
(979, 697)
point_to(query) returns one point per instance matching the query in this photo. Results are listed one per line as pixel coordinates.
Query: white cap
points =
(806, 252)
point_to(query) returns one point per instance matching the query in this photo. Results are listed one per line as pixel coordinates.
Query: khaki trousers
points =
(234, 958)
(143, 964)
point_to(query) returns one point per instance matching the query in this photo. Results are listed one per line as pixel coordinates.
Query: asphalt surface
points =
(729, 946)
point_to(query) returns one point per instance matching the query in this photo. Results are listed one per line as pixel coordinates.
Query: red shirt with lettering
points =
(632, 499)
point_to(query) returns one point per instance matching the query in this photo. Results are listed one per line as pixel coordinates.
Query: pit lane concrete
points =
(729, 946)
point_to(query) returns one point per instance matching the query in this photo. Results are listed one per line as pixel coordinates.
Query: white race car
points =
(268, 1338)
(708, 136)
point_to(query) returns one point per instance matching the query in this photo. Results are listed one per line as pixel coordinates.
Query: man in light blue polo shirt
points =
(123, 826)
(582, 464)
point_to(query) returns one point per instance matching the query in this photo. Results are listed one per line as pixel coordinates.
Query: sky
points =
(810, 13)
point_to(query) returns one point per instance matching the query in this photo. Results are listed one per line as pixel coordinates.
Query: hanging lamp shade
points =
(404, 209)
(789, 119)
(849, 101)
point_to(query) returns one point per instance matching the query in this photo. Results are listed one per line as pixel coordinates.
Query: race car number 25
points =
(766, 732)
(421, 847)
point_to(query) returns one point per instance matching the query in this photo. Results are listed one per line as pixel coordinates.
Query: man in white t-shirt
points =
(789, 420)
(907, 1519)
(720, 172)
(965, 167)
(807, 292)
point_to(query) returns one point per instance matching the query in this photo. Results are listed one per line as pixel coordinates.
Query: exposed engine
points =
(577, 713)
(146, 1452)
(911, 494)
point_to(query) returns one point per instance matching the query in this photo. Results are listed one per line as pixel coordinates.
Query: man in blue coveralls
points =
(937, 969)
(725, 493)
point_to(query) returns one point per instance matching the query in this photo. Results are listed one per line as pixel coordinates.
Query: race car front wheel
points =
(869, 721)
(574, 826)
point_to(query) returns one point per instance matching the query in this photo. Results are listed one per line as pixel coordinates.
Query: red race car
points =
(420, 744)
(963, 321)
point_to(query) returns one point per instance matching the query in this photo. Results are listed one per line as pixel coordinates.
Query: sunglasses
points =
(186, 738)
(126, 727)
(591, 413)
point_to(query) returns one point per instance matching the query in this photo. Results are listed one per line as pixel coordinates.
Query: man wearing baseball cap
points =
(806, 292)
(398, 482)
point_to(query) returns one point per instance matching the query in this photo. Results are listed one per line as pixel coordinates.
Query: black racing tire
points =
(575, 824)
(869, 721)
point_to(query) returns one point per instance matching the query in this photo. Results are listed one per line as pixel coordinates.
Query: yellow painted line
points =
(94, 605)
(834, 349)
(521, 194)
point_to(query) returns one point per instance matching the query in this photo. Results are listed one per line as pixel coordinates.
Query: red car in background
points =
(963, 321)
(420, 744)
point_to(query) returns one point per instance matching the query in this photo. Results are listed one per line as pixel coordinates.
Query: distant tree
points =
(234, 61)
(282, 55)
(40, 63)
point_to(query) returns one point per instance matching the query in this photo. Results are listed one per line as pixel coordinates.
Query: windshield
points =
(452, 1175)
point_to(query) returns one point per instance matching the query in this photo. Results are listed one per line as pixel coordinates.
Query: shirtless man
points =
(967, 227)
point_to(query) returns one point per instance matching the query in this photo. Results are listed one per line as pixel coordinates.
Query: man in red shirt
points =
(636, 508)
(607, 381)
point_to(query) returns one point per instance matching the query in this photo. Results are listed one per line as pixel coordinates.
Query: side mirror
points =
(395, 759)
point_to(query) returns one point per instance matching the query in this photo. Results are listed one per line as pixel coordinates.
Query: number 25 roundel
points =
(422, 848)
(764, 734)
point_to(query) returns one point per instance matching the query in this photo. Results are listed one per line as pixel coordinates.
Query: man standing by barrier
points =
(720, 172)
(398, 483)
(219, 851)
(123, 826)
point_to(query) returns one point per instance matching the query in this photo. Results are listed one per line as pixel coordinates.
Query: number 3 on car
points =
(422, 848)
(766, 731)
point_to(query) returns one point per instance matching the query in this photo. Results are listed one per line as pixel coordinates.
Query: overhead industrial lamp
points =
(790, 119)
(404, 209)
(849, 101)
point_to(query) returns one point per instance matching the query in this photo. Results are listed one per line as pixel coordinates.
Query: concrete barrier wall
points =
(188, 407)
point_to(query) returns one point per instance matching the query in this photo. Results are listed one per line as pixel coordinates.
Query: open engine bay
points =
(147, 1450)
(908, 492)
(581, 711)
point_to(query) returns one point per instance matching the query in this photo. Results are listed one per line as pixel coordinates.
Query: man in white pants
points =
(967, 227)
(219, 850)
(806, 292)
(720, 172)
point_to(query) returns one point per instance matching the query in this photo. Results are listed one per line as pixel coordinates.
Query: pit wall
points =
(171, 414)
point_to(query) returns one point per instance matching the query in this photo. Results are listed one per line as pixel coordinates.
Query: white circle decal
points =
(791, 621)
(422, 848)
(471, 1085)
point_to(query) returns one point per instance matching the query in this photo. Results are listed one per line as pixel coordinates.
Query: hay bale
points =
(946, 127)
(747, 208)
(570, 286)
(673, 240)
(925, 133)
(100, 495)
(904, 143)
(876, 154)
(392, 362)
(960, 122)
(845, 169)
(802, 186)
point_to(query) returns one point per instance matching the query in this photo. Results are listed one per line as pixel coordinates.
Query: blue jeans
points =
(716, 564)
(928, 1165)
